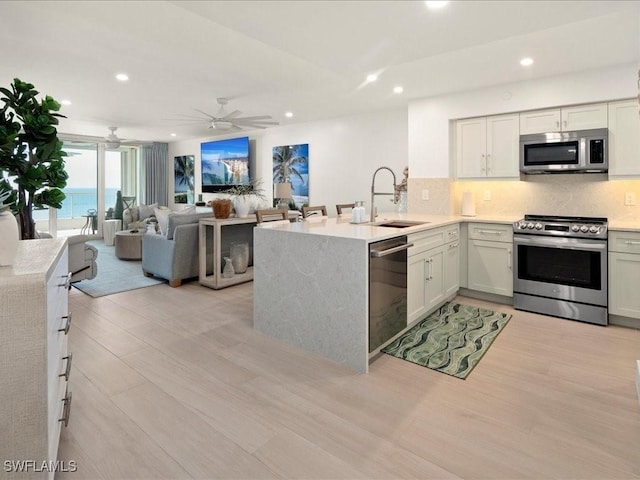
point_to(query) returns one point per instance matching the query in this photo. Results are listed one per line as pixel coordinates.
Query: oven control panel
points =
(562, 226)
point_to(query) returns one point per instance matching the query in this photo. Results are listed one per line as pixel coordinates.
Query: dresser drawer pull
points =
(490, 232)
(66, 411)
(67, 281)
(632, 242)
(67, 371)
(68, 324)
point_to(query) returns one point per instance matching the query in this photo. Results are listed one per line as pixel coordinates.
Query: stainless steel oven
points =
(560, 267)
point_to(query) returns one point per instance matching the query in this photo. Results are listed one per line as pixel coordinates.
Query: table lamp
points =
(282, 191)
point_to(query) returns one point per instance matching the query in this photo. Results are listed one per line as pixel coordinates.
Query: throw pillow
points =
(162, 215)
(145, 211)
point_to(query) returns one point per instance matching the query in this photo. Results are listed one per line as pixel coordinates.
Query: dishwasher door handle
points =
(389, 251)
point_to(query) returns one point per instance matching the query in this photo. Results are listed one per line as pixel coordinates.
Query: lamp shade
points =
(282, 190)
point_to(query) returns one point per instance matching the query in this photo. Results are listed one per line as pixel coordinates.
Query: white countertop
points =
(343, 228)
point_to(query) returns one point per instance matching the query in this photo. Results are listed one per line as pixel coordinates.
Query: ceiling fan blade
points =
(257, 122)
(251, 119)
(253, 125)
(181, 116)
(205, 113)
(231, 115)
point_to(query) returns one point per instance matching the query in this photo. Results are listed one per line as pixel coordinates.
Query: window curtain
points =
(154, 173)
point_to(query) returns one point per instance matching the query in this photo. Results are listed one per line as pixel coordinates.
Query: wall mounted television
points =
(224, 164)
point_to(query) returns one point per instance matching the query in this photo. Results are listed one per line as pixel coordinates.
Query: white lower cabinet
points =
(34, 359)
(624, 274)
(490, 254)
(432, 270)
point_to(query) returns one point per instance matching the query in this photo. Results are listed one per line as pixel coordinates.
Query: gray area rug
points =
(114, 275)
(451, 340)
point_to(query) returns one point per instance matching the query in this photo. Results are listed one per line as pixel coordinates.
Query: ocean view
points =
(78, 202)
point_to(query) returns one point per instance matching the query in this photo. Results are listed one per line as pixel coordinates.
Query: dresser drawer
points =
(624, 242)
(496, 232)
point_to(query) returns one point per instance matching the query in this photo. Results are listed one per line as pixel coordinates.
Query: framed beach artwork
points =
(183, 173)
(291, 165)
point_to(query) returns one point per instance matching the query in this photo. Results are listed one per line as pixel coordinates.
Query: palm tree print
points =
(285, 162)
(184, 170)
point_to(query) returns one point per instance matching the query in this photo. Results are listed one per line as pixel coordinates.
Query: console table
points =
(215, 239)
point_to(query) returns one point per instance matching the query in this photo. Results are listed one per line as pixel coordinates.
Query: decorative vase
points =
(242, 205)
(402, 202)
(9, 238)
(240, 257)
(228, 271)
(221, 208)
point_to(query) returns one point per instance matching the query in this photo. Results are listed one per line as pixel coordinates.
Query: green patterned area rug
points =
(451, 340)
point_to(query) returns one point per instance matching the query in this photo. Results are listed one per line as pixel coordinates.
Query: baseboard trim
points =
(638, 379)
(624, 321)
(488, 297)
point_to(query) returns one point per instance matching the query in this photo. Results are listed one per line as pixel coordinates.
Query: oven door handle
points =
(566, 243)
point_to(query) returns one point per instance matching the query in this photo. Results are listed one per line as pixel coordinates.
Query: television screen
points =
(225, 163)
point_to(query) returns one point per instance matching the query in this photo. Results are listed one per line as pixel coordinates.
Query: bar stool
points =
(340, 206)
(306, 211)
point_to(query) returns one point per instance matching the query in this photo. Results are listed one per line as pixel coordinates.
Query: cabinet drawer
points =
(424, 241)
(624, 242)
(496, 232)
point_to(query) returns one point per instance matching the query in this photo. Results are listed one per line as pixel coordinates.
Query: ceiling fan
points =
(113, 141)
(224, 121)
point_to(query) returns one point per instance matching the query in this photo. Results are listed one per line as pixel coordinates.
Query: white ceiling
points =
(307, 57)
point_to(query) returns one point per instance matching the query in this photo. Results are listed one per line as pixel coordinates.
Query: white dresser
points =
(34, 361)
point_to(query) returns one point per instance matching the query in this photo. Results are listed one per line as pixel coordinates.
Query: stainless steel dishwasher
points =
(387, 290)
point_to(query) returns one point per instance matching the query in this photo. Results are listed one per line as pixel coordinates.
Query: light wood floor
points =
(174, 383)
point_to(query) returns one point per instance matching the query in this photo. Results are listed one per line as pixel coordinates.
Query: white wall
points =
(428, 124)
(343, 154)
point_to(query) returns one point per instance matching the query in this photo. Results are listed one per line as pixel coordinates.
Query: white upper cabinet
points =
(624, 138)
(487, 147)
(582, 117)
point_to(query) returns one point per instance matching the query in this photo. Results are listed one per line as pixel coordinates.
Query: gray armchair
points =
(82, 258)
(173, 257)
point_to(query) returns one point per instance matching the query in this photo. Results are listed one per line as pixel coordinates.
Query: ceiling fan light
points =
(221, 124)
(112, 144)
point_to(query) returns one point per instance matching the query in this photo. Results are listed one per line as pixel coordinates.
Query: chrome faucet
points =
(374, 193)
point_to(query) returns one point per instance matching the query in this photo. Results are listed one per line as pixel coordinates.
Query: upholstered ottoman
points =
(129, 244)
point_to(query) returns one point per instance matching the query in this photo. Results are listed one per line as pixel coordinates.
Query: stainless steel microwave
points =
(581, 151)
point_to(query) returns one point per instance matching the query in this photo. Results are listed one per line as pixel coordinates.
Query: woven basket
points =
(221, 208)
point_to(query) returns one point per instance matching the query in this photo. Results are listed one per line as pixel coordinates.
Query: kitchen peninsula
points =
(311, 281)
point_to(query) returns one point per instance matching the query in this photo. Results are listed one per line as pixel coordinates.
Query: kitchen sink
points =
(400, 223)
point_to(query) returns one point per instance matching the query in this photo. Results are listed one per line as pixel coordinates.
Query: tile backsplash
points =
(571, 194)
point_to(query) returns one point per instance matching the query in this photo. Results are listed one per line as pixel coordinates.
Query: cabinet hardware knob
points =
(67, 371)
(65, 329)
(67, 281)
(509, 259)
(66, 411)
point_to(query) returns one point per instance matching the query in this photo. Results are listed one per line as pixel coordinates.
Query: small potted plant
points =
(244, 196)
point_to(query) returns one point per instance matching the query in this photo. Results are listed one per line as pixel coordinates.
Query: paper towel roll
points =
(468, 205)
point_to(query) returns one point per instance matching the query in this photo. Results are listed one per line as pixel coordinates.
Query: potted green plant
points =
(244, 196)
(31, 155)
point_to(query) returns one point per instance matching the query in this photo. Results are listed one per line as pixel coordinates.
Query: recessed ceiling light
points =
(174, 134)
(398, 89)
(123, 77)
(66, 102)
(525, 62)
(372, 78)
(436, 5)
(288, 114)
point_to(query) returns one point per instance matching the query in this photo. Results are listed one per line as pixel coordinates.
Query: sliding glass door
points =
(95, 176)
